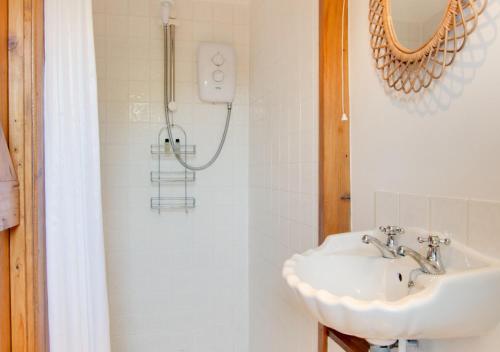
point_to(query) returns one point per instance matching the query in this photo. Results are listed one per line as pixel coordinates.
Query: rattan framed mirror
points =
(414, 41)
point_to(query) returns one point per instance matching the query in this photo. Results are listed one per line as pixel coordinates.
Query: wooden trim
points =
(348, 343)
(4, 67)
(27, 241)
(334, 172)
(4, 235)
(322, 338)
(5, 331)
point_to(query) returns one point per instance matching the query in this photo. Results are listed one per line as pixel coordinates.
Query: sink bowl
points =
(348, 286)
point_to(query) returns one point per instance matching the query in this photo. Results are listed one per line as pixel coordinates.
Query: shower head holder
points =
(166, 10)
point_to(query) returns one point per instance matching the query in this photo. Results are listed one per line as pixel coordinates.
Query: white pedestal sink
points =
(348, 286)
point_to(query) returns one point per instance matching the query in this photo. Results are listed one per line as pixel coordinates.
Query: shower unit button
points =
(218, 76)
(216, 72)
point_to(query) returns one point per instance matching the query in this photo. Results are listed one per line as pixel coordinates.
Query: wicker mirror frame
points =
(412, 70)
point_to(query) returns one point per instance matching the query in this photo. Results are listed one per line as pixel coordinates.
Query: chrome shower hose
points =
(169, 32)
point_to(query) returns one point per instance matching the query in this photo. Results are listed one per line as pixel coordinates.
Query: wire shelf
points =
(166, 150)
(160, 178)
(173, 176)
(172, 203)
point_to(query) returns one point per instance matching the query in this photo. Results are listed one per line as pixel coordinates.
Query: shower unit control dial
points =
(218, 59)
(216, 72)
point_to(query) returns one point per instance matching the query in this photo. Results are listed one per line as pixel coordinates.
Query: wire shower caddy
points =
(161, 178)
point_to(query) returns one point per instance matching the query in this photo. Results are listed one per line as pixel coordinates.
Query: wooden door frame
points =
(334, 160)
(29, 320)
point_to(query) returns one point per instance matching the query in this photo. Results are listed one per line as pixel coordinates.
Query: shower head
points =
(166, 9)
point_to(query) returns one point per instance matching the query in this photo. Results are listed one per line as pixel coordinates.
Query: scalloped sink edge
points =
(411, 316)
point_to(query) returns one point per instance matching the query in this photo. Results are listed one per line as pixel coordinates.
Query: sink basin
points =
(347, 285)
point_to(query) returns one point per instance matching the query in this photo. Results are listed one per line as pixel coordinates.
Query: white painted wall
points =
(283, 166)
(444, 143)
(177, 282)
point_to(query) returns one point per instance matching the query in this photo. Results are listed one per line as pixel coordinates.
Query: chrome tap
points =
(432, 263)
(389, 249)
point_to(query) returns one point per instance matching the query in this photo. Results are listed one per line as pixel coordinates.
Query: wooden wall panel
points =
(4, 293)
(335, 182)
(27, 242)
(4, 235)
(334, 173)
(4, 73)
(16, 142)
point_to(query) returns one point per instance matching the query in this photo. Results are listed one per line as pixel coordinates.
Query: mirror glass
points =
(416, 21)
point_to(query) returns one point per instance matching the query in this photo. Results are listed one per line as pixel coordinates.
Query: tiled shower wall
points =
(177, 281)
(283, 166)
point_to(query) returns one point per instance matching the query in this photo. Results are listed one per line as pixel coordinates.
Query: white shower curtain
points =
(78, 305)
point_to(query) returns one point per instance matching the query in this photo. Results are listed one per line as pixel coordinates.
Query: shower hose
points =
(169, 32)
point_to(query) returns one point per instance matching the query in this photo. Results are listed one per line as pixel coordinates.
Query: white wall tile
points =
(138, 91)
(138, 8)
(101, 47)
(138, 27)
(283, 170)
(223, 13)
(156, 28)
(449, 216)
(116, 7)
(184, 10)
(241, 34)
(414, 211)
(484, 227)
(156, 50)
(184, 32)
(138, 49)
(203, 31)
(222, 32)
(139, 69)
(98, 6)
(241, 14)
(99, 24)
(202, 11)
(386, 208)
(117, 26)
(117, 47)
(117, 90)
(139, 112)
(101, 70)
(117, 68)
(117, 111)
